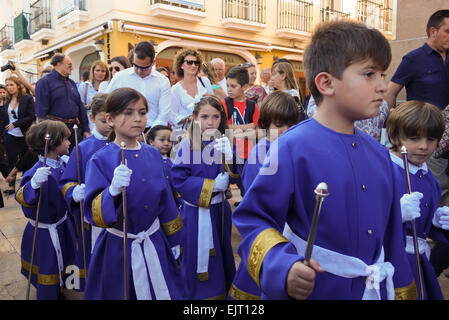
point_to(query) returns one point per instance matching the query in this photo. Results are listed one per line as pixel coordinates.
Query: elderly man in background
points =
(57, 98)
(220, 70)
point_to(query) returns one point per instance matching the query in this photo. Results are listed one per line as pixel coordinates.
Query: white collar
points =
(98, 135)
(139, 146)
(411, 167)
(55, 164)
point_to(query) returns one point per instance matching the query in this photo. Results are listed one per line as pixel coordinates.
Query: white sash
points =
(205, 235)
(423, 246)
(150, 256)
(95, 232)
(52, 229)
(350, 267)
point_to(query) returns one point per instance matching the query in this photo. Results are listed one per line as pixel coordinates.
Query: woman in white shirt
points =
(189, 90)
(15, 119)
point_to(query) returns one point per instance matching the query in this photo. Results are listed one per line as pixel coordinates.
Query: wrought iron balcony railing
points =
(40, 16)
(330, 14)
(6, 37)
(249, 10)
(295, 15)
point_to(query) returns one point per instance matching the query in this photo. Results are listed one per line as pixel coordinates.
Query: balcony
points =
(328, 14)
(22, 32)
(41, 27)
(245, 15)
(71, 13)
(6, 42)
(190, 11)
(295, 19)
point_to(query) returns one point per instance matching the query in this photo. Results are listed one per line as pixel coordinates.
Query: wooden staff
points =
(223, 198)
(47, 140)
(321, 192)
(125, 267)
(75, 128)
(414, 234)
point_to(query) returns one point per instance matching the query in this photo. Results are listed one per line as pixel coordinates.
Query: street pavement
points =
(12, 223)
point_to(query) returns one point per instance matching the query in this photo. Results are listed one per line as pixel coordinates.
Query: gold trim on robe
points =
(206, 193)
(176, 195)
(43, 279)
(222, 297)
(406, 293)
(238, 294)
(67, 186)
(97, 213)
(172, 227)
(21, 200)
(266, 240)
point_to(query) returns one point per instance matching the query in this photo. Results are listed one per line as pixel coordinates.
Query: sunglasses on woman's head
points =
(114, 68)
(13, 112)
(190, 62)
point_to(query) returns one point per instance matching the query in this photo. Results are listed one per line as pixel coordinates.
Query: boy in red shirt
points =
(242, 113)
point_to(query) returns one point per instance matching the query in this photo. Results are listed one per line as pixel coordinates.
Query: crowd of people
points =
(132, 184)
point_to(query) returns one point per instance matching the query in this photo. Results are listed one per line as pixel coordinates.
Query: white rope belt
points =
(150, 256)
(95, 232)
(350, 267)
(423, 246)
(52, 229)
(205, 236)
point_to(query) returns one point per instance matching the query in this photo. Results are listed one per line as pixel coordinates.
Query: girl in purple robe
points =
(208, 265)
(54, 248)
(154, 226)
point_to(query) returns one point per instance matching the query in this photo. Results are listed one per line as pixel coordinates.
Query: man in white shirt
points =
(150, 83)
(220, 67)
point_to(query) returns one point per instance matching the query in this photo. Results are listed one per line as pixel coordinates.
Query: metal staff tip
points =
(404, 150)
(75, 127)
(322, 190)
(122, 145)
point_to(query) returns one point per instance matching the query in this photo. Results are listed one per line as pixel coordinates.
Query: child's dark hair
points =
(336, 45)
(118, 100)
(280, 107)
(97, 105)
(154, 130)
(414, 119)
(240, 74)
(214, 102)
(35, 137)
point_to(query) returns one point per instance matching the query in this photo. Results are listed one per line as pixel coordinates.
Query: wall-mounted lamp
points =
(99, 42)
(153, 43)
(259, 58)
(275, 58)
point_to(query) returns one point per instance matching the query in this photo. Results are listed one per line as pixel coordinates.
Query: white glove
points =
(40, 176)
(78, 192)
(410, 206)
(222, 145)
(441, 218)
(221, 182)
(121, 179)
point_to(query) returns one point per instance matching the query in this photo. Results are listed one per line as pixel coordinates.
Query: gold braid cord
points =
(406, 293)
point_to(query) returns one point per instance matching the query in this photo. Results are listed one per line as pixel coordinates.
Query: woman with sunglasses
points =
(117, 64)
(99, 72)
(189, 90)
(15, 119)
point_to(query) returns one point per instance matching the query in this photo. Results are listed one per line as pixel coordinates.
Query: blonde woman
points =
(208, 71)
(283, 78)
(99, 72)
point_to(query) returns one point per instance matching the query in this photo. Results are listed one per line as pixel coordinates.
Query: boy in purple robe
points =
(358, 253)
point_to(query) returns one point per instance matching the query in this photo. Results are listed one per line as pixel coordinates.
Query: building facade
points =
(256, 31)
